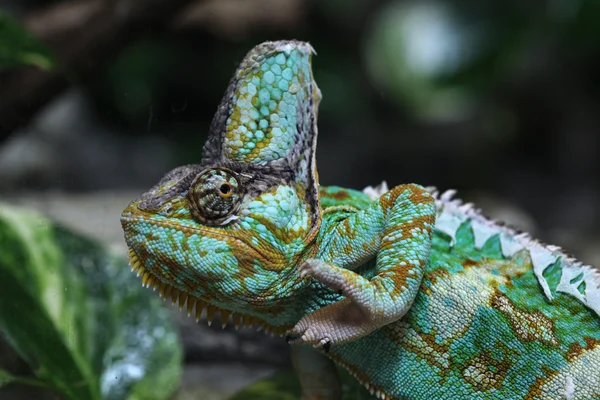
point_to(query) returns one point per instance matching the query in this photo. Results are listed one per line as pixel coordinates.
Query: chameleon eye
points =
(214, 195)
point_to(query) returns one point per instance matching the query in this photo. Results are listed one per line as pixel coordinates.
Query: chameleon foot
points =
(346, 320)
(337, 323)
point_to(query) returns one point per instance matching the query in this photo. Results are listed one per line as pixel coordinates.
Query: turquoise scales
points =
(416, 294)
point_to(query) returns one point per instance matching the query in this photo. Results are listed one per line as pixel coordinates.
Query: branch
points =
(84, 35)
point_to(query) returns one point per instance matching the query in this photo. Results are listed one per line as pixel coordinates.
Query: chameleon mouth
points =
(198, 307)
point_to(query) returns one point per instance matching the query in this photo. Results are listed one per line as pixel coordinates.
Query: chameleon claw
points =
(308, 268)
(304, 270)
(292, 337)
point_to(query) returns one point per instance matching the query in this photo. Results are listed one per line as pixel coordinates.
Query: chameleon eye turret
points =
(214, 196)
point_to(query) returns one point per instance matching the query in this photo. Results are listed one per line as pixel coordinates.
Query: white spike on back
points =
(569, 388)
(375, 192)
(541, 259)
(452, 213)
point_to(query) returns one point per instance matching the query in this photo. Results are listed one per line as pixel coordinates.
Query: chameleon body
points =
(416, 294)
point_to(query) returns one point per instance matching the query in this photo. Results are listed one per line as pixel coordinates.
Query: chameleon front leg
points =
(397, 229)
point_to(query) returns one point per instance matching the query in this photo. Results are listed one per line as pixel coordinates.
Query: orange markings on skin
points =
(418, 195)
(433, 277)
(485, 373)
(406, 229)
(575, 349)
(348, 248)
(367, 246)
(350, 233)
(210, 296)
(285, 238)
(468, 263)
(535, 390)
(401, 273)
(426, 353)
(527, 326)
(340, 195)
(398, 276)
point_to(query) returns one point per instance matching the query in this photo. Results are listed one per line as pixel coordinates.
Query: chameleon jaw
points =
(196, 306)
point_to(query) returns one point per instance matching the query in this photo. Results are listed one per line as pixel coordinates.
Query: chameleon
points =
(413, 292)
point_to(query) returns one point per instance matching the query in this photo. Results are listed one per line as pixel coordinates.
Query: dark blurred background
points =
(499, 96)
(498, 99)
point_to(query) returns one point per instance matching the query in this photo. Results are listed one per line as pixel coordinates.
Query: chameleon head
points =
(225, 233)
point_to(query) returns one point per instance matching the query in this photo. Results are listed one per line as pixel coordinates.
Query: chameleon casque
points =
(414, 293)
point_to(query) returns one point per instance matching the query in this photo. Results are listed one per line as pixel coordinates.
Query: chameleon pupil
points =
(225, 188)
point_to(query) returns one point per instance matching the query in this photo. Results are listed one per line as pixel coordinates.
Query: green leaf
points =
(5, 378)
(79, 317)
(40, 320)
(19, 47)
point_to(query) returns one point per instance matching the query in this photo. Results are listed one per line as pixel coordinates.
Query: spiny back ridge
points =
(452, 213)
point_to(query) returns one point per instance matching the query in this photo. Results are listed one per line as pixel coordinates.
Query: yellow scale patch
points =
(262, 125)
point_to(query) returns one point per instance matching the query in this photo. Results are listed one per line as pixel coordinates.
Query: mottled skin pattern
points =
(417, 295)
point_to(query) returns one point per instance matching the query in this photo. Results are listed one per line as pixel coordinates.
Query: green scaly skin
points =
(417, 295)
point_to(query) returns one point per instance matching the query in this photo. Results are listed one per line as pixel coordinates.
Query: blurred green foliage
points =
(280, 386)
(19, 47)
(138, 82)
(441, 58)
(436, 60)
(75, 313)
(460, 84)
(284, 385)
